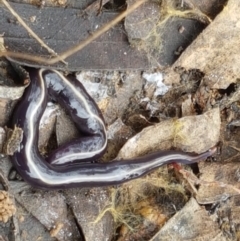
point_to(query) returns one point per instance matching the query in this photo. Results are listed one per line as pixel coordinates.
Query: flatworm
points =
(71, 164)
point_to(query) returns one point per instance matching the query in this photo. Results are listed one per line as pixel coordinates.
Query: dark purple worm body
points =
(61, 169)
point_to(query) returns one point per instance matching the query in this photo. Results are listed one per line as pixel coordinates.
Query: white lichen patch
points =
(157, 80)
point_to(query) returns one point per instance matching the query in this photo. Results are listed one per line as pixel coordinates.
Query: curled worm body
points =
(62, 169)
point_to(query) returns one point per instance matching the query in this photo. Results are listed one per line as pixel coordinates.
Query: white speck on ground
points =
(157, 78)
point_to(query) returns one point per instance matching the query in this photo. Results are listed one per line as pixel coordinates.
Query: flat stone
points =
(63, 28)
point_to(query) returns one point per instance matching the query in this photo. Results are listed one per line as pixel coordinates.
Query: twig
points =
(81, 45)
(192, 178)
(35, 36)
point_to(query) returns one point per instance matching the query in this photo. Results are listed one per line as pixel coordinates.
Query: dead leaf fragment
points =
(159, 136)
(198, 133)
(223, 179)
(13, 140)
(86, 204)
(188, 107)
(191, 134)
(216, 50)
(49, 208)
(227, 213)
(191, 223)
